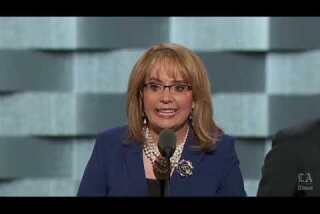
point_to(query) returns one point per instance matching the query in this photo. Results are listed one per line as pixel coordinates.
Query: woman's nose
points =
(166, 95)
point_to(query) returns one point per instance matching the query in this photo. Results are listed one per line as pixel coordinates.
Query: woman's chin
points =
(160, 126)
(172, 126)
(166, 127)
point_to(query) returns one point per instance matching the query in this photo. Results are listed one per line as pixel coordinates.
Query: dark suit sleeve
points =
(232, 184)
(279, 170)
(94, 180)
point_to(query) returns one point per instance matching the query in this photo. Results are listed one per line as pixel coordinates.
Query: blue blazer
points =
(116, 169)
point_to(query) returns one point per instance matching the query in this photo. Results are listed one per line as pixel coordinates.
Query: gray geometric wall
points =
(59, 75)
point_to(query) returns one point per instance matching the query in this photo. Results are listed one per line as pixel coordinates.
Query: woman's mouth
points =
(166, 112)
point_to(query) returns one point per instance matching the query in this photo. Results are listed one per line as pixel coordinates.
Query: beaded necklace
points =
(150, 149)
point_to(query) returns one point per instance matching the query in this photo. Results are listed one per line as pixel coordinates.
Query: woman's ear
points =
(141, 101)
(193, 105)
(141, 97)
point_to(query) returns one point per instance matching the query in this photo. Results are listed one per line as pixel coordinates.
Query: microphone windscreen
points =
(167, 143)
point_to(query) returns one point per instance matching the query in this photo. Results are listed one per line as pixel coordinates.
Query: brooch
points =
(184, 168)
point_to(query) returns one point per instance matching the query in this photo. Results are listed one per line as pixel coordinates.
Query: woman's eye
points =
(155, 87)
(180, 88)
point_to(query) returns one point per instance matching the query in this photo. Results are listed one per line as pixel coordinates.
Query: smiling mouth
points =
(166, 112)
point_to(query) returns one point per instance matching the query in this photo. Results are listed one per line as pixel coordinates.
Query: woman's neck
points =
(180, 134)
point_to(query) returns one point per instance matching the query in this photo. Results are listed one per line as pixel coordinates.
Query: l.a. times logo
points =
(304, 181)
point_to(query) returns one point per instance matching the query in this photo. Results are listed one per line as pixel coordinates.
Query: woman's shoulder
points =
(113, 135)
(225, 139)
(225, 142)
(114, 131)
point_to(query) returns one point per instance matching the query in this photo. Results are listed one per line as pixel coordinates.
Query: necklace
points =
(150, 149)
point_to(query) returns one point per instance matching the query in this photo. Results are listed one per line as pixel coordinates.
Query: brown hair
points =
(182, 60)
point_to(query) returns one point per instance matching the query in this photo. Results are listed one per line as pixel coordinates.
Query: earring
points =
(190, 119)
(190, 116)
(147, 135)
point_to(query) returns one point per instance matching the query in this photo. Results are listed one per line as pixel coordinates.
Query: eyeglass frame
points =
(163, 87)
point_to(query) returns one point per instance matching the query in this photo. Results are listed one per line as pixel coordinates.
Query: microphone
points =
(166, 146)
(167, 143)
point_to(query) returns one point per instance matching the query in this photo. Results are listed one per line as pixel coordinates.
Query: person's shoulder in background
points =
(297, 132)
(292, 148)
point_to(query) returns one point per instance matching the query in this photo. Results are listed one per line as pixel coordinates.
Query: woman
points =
(168, 89)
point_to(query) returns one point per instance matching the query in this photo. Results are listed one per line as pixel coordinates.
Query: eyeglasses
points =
(178, 88)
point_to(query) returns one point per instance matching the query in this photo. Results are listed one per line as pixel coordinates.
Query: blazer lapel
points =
(178, 182)
(135, 169)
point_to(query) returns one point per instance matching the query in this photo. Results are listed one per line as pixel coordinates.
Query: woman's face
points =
(170, 107)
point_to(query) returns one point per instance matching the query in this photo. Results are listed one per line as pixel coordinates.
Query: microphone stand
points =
(166, 146)
(165, 183)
